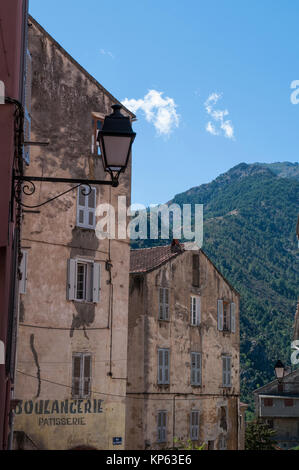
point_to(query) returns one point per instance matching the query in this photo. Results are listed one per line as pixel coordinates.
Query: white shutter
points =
(91, 208)
(71, 279)
(23, 270)
(233, 317)
(86, 207)
(198, 371)
(198, 310)
(160, 366)
(228, 371)
(220, 314)
(96, 284)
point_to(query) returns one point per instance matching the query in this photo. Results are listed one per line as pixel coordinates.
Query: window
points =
(226, 313)
(163, 303)
(211, 445)
(162, 426)
(86, 207)
(222, 443)
(83, 280)
(97, 124)
(223, 418)
(195, 368)
(226, 371)
(81, 375)
(268, 401)
(23, 273)
(288, 402)
(163, 366)
(194, 425)
(195, 310)
(195, 270)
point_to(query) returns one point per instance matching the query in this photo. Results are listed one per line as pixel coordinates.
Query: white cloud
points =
(104, 52)
(161, 112)
(218, 117)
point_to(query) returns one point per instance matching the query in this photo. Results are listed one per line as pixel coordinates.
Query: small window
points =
(163, 303)
(194, 425)
(86, 207)
(226, 371)
(83, 281)
(81, 387)
(226, 316)
(162, 426)
(268, 401)
(222, 443)
(163, 366)
(196, 369)
(288, 402)
(195, 313)
(211, 445)
(226, 313)
(23, 273)
(97, 125)
(195, 270)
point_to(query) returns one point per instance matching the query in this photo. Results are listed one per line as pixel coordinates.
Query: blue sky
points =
(209, 80)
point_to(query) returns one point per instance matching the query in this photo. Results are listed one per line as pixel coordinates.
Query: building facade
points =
(73, 316)
(277, 403)
(183, 352)
(13, 43)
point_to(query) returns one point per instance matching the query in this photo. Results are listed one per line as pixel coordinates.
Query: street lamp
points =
(279, 370)
(116, 139)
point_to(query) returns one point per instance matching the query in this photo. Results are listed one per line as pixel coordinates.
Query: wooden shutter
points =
(233, 317)
(96, 282)
(160, 366)
(71, 279)
(220, 314)
(76, 375)
(195, 270)
(166, 304)
(228, 362)
(198, 310)
(166, 366)
(194, 425)
(161, 298)
(23, 271)
(198, 369)
(86, 207)
(87, 375)
(193, 311)
(91, 208)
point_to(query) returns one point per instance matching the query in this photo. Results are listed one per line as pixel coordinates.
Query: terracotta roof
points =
(147, 259)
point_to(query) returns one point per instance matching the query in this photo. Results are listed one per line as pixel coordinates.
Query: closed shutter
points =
(166, 366)
(198, 369)
(23, 271)
(166, 304)
(198, 310)
(233, 317)
(194, 425)
(86, 207)
(160, 366)
(163, 303)
(226, 361)
(162, 426)
(195, 270)
(195, 368)
(161, 298)
(87, 375)
(71, 279)
(220, 314)
(76, 375)
(96, 282)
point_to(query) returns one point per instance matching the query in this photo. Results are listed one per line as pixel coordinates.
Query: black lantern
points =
(279, 370)
(116, 139)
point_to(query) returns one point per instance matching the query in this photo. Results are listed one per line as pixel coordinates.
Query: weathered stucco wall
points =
(147, 334)
(51, 327)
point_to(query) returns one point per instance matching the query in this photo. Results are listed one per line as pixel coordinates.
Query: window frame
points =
(95, 147)
(197, 370)
(82, 379)
(162, 426)
(163, 305)
(194, 436)
(92, 280)
(195, 310)
(85, 208)
(165, 377)
(226, 372)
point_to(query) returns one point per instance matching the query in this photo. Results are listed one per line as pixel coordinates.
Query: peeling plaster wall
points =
(147, 334)
(63, 99)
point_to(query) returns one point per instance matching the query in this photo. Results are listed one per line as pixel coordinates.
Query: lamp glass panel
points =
(117, 149)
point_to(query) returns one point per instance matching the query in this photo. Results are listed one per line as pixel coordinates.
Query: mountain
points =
(250, 216)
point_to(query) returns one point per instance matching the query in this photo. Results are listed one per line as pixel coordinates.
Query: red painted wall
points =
(12, 43)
